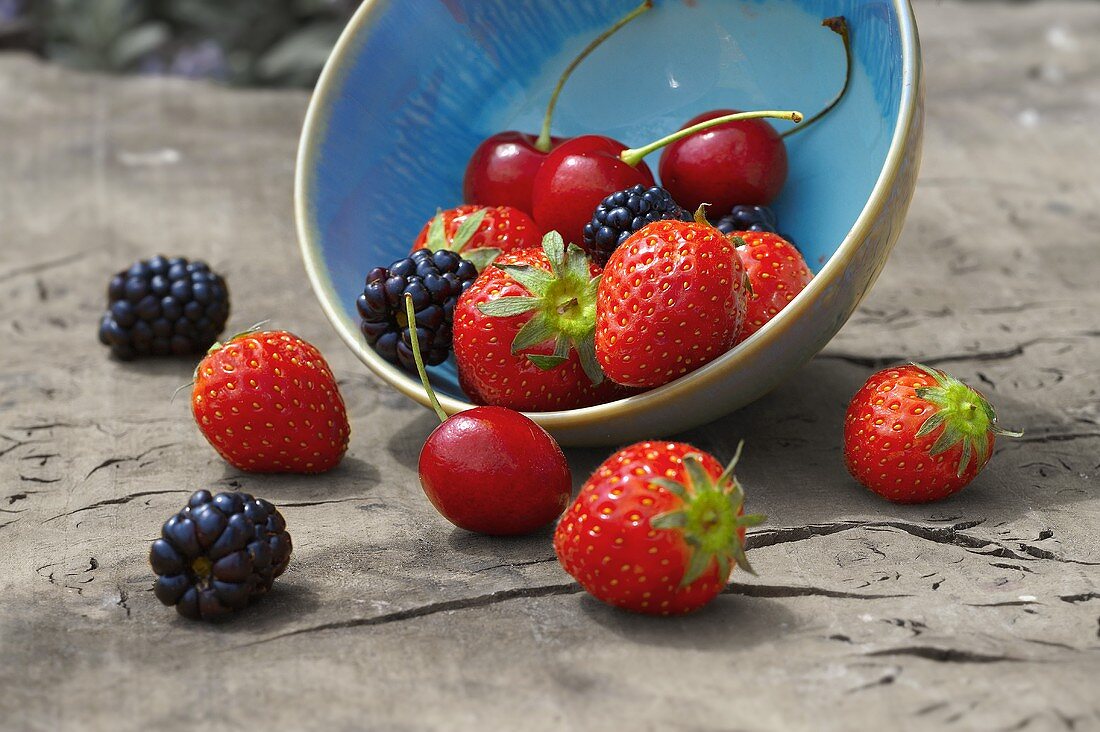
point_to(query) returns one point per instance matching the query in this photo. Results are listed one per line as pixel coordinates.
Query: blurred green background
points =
(241, 42)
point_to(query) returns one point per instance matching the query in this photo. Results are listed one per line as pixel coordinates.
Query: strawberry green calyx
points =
(564, 304)
(711, 518)
(480, 257)
(964, 414)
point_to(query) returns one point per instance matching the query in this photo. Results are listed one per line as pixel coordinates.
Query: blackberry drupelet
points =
(219, 553)
(163, 306)
(435, 280)
(624, 212)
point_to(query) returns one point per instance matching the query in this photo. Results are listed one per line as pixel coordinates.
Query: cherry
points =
(502, 169)
(737, 163)
(490, 470)
(579, 173)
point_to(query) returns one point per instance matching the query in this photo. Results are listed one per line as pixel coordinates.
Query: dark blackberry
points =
(163, 306)
(435, 280)
(624, 212)
(219, 553)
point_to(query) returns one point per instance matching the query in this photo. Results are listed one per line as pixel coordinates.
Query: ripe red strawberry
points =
(914, 434)
(479, 233)
(656, 529)
(777, 272)
(672, 298)
(268, 403)
(523, 331)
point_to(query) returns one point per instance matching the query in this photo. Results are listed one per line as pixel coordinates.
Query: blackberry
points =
(624, 212)
(435, 280)
(163, 306)
(750, 218)
(219, 553)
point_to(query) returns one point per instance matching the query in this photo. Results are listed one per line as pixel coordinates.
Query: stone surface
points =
(980, 612)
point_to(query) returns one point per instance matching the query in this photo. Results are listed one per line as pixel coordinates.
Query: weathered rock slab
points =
(981, 612)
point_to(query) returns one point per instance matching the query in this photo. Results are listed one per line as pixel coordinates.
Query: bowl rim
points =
(317, 118)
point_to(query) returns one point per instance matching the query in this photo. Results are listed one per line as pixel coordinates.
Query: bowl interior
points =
(415, 85)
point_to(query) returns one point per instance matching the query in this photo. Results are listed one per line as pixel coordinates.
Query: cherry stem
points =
(633, 156)
(542, 144)
(410, 313)
(839, 26)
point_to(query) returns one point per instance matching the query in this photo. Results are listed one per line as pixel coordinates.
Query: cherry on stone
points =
(502, 169)
(737, 163)
(579, 173)
(490, 470)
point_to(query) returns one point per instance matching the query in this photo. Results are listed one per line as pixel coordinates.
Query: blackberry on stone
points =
(624, 212)
(435, 280)
(163, 306)
(219, 553)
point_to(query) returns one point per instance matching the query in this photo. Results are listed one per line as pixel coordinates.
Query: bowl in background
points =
(413, 86)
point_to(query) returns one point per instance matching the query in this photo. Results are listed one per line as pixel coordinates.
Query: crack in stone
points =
(754, 590)
(42, 266)
(48, 426)
(1056, 437)
(879, 362)
(112, 461)
(568, 588)
(1018, 567)
(516, 564)
(945, 655)
(113, 502)
(939, 534)
(305, 504)
(1083, 597)
(883, 681)
(464, 603)
(20, 496)
(32, 479)
(123, 599)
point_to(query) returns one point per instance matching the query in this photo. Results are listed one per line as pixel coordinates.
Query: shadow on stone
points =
(350, 479)
(503, 550)
(731, 622)
(286, 603)
(404, 444)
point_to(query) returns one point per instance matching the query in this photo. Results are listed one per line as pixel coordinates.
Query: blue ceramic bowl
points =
(414, 85)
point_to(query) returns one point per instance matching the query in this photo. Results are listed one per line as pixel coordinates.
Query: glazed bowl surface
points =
(414, 85)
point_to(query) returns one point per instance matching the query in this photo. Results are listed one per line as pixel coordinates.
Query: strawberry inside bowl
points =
(413, 88)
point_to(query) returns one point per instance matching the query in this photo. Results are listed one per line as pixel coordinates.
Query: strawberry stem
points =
(633, 156)
(839, 26)
(542, 144)
(410, 313)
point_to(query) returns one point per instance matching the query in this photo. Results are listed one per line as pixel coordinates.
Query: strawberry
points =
(914, 434)
(523, 331)
(777, 272)
(479, 233)
(656, 529)
(268, 403)
(672, 299)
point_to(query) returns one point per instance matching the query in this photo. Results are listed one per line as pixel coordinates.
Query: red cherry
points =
(502, 169)
(494, 471)
(575, 177)
(741, 162)
(735, 163)
(490, 469)
(580, 172)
